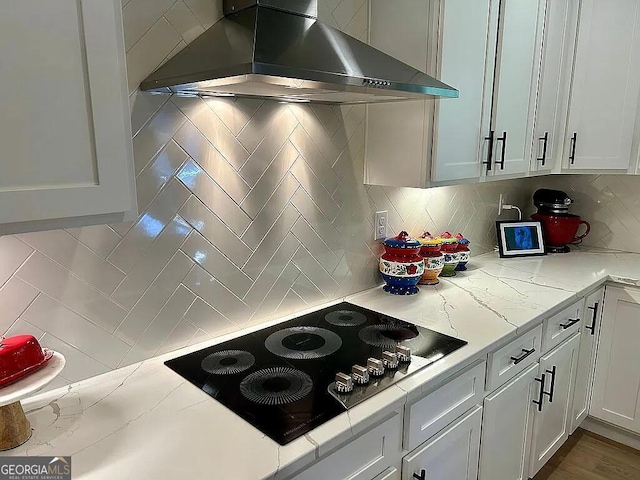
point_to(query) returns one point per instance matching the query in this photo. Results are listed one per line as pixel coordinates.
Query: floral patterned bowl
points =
(433, 258)
(463, 252)
(401, 266)
(450, 250)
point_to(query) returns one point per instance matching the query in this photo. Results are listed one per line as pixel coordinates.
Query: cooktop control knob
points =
(360, 375)
(344, 383)
(375, 367)
(390, 360)
(403, 353)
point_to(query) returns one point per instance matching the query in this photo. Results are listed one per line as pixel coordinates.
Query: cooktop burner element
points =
(289, 378)
(228, 362)
(276, 386)
(345, 318)
(387, 335)
(303, 343)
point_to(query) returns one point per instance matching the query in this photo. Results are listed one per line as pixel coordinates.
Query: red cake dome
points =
(19, 356)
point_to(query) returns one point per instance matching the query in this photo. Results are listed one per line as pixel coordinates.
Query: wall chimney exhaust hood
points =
(278, 49)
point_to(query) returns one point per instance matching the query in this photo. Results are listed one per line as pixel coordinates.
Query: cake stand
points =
(14, 426)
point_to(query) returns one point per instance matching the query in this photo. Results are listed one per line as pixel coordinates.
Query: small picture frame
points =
(520, 239)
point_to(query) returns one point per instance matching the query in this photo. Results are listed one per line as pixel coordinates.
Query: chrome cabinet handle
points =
(525, 354)
(592, 327)
(570, 323)
(545, 141)
(539, 402)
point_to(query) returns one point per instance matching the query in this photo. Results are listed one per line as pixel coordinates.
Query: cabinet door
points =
(516, 84)
(506, 429)
(452, 454)
(65, 127)
(400, 133)
(561, 24)
(604, 95)
(586, 359)
(468, 32)
(616, 389)
(366, 457)
(551, 425)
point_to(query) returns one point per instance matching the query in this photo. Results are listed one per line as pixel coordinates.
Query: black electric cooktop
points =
(281, 379)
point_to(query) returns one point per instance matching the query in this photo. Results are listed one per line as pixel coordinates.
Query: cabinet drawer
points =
(562, 326)
(513, 358)
(391, 473)
(453, 454)
(363, 458)
(430, 414)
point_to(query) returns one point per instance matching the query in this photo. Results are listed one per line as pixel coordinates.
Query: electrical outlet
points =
(501, 202)
(380, 225)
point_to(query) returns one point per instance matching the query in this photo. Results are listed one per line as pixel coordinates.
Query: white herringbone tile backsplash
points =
(250, 209)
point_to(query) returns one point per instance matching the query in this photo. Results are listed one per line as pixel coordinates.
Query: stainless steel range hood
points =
(278, 49)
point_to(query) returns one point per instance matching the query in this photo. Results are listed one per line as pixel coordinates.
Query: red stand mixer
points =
(560, 228)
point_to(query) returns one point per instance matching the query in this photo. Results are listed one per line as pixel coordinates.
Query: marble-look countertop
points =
(146, 422)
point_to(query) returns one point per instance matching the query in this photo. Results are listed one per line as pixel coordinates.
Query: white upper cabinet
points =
(561, 24)
(606, 82)
(516, 85)
(467, 60)
(616, 387)
(65, 126)
(397, 132)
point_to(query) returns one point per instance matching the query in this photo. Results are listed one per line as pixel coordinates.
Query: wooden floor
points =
(587, 456)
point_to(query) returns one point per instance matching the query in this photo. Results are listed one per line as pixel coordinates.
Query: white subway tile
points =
(50, 278)
(154, 299)
(314, 271)
(156, 134)
(208, 319)
(79, 366)
(100, 238)
(54, 318)
(22, 327)
(206, 11)
(148, 52)
(213, 129)
(184, 21)
(271, 241)
(213, 196)
(214, 230)
(64, 249)
(208, 157)
(151, 224)
(315, 189)
(158, 173)
(209, 257)
(234, 112)
(13, 253)
(15, 297)
(316, 246)
(143, 106)
(272, 208)
(315, 160)
(179, 337)
(139, 15)
(152, 263)
(264, 188)
(267, 117)
(200, 282)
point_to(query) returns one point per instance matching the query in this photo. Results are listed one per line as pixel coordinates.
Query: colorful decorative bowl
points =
(433, 258)
(463, 253)
(450, 250)
(401, 266)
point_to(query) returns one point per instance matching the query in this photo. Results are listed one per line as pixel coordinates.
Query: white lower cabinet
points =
(551, 423)
(616, 388)
(451, 455)
(375, 453)
(586, 359)
(506, 430)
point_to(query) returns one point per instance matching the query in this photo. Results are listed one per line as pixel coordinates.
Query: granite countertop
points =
(146, 422)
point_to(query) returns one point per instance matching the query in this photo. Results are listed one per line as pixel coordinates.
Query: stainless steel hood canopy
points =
(278, 48)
